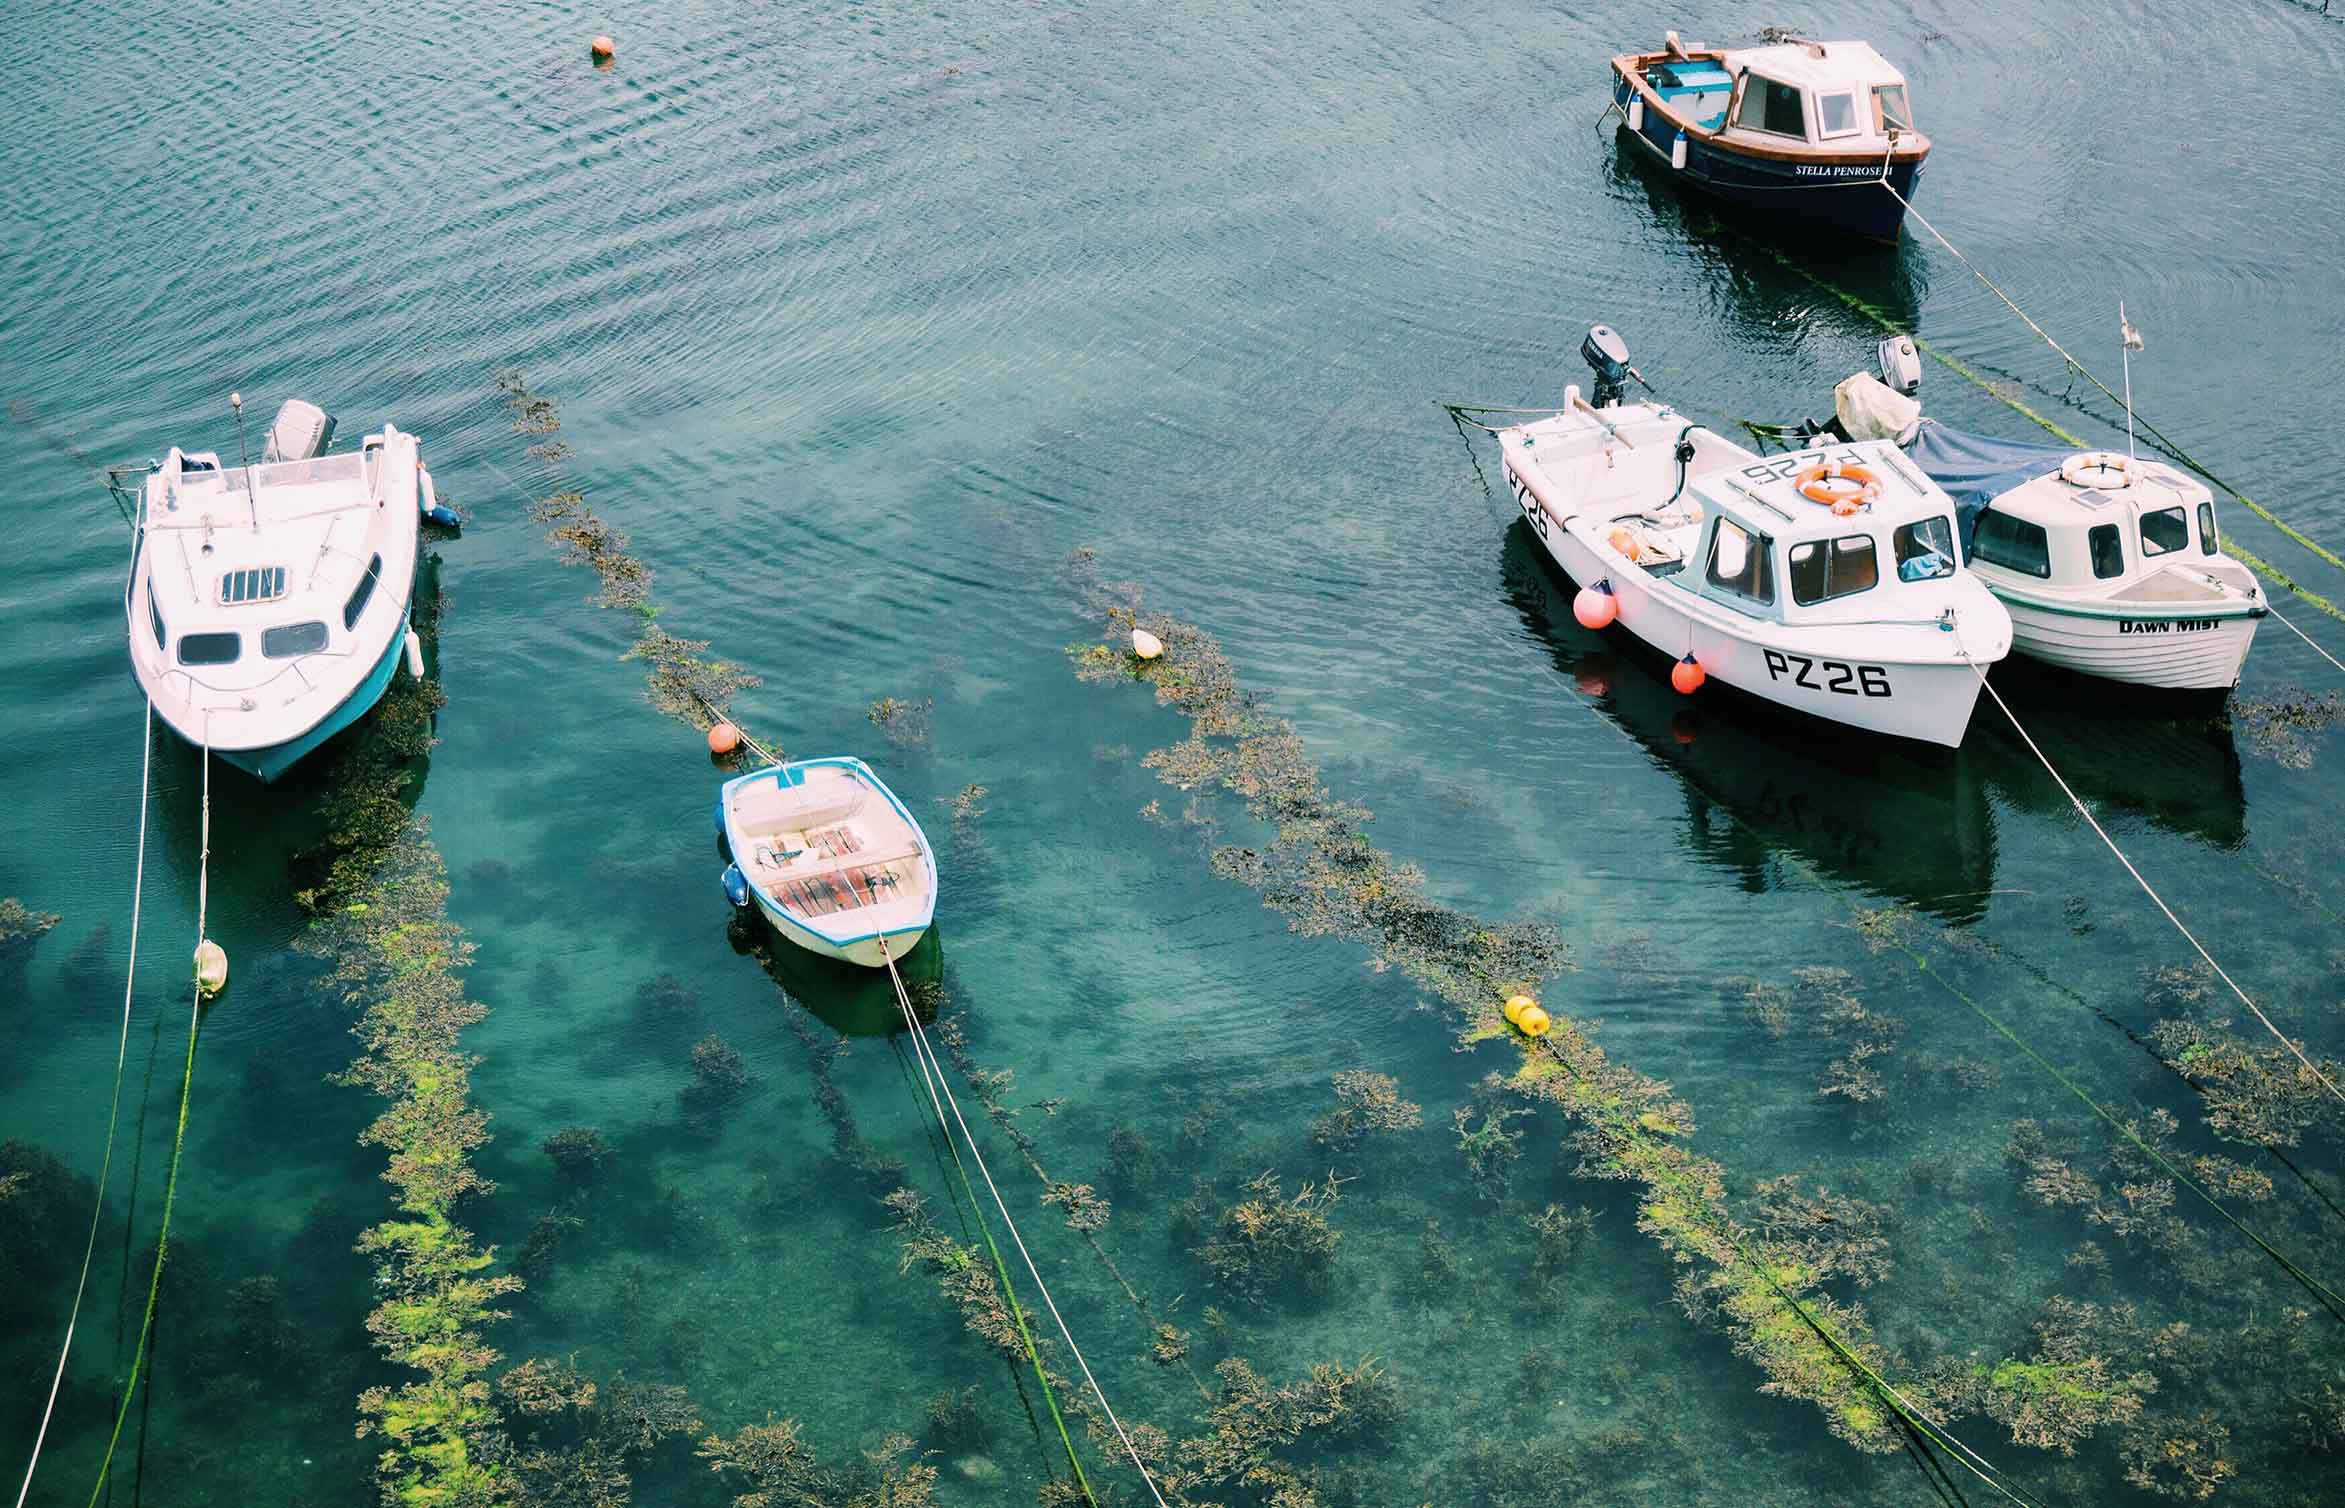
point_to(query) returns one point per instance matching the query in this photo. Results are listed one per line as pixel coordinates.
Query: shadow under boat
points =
(1745, 255)
(849, 999)
(2168, 756)
(1906, 823)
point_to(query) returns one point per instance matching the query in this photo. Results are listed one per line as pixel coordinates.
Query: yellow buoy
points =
(1145, 644)
(1516, 1006)
(1533, 1021)
(724, 738)
(602, 48)
(211, 967)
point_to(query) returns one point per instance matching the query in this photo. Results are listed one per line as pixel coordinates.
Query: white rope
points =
(932, 1072)
(2103, 833)
(113, 1115)
(2307, 638)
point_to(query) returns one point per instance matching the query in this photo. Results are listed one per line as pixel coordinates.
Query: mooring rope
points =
(113, 1113)
(2103, 833)
(932, 1071)
(2307, 638)
(195, 1008)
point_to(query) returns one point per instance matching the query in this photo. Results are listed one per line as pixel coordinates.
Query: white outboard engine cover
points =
(1869, 409)
(1901, 364)
(299, 432)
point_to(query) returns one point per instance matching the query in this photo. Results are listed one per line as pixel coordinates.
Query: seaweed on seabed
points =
(379, 919)
(1323, 874)
(680, 680)
(20, 927)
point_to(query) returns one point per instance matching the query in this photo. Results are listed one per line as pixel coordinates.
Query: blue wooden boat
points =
(1806, 132)
(828, 855)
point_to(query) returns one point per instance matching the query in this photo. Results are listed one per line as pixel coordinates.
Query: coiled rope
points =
(146, 1327)
(2103, 834)
(933, 1074)
(113, 1113)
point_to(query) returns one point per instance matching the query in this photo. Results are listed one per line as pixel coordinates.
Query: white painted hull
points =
(2177, 653)
(1928, 701)
(863, 951)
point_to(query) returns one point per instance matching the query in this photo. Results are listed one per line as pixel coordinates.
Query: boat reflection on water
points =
(2165, 756)
(1744, 256)
(1900, 821)
(848, 998)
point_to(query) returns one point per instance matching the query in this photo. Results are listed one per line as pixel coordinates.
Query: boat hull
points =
(1929, 702)
(863, 950)
(2177, 653)
(1843, 197)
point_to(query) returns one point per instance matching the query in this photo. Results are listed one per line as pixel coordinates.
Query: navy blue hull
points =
(1844, 198)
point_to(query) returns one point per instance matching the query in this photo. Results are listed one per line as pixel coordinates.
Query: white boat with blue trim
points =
(824, 850)
(268, 604)
(1826, 581)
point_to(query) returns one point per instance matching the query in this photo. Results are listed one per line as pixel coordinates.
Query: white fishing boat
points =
(824, 850)
(1826, 581)
(2111, 566)
(268, 604)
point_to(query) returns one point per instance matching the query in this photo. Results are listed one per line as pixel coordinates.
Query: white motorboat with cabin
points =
(2111, 566)
(1826, 581)
(268, 604)
(830, 857)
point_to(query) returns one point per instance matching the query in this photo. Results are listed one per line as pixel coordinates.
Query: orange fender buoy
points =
(1595, 607)
(601, 49)
(1687, 675)
(724, 738)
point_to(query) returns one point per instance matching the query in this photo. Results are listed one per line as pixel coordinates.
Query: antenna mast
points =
(252, 499)
(2129, 341)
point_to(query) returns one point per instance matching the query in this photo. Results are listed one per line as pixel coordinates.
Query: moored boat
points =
(1826, 581)
(828, 855)
(2111, 566)
(268, 603)
(1805, 131)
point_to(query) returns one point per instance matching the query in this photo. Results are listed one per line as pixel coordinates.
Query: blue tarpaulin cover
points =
(1974, 470)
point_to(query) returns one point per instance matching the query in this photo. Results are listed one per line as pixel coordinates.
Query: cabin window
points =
(1925, 549)
(2164, 531)
(2013, 543)
(1769, 106)
(2208, 544)
(1836, 115)
(289, 639)
(1738, 562)
(155, 614)
(2108, 551)
(263, 585)
(366, 590)
(1824, 569)
(1890, 109)
(210, 649)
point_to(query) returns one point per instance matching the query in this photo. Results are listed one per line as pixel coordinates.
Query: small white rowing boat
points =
(830, 857)
(1826, 581)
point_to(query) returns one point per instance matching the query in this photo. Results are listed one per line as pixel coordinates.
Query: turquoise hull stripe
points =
(275, 760)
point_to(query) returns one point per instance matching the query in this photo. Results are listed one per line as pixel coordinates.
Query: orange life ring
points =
(1815, 484)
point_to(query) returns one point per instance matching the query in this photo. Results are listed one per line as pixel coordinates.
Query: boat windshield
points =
(1925, 549)
(1772, 107)
(1890, 108)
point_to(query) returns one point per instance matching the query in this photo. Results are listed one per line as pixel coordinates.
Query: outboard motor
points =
(300, 431)
(1607, 356)
(1901, 364)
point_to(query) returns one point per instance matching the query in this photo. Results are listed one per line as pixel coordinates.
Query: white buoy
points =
(1636, 113)
(414, 655)
(1145, 644)
(211, 967)
(1677, 152)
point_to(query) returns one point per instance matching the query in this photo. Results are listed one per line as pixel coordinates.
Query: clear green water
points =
(863, 317)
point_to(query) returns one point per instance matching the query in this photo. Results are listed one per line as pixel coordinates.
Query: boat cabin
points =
(1836, 96)
(2117, 529)
(1880, 550)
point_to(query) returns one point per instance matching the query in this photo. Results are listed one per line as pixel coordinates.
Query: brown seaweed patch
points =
(781, 1471)
(1270, 1241)
(2257, 1093)
(1365, 1102)
(21, 927)
(902, 721)
(2285, 725)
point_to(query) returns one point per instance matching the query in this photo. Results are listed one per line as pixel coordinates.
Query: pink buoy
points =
(1595, 607)
(1687, 675)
